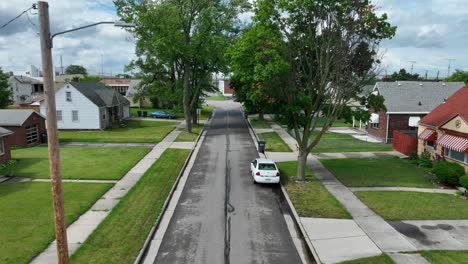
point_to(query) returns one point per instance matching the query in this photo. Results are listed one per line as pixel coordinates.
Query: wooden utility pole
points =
(52, 134)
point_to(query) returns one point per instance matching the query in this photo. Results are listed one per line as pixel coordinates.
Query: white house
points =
(89, 105)
(25, 89)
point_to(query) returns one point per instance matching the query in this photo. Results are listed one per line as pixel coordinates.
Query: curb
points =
(295, 217)
(144, 250)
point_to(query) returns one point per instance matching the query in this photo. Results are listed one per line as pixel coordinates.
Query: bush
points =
(413, 156)
(464, 182)
(425, 160)
(6, 169)
(448, 173)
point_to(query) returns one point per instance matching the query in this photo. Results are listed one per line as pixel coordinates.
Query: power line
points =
(18, 16)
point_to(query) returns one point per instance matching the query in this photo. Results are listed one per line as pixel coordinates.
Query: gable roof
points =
(16, 117)
(99, 94)
(456, 105)
(25, 79)
(415, 97)
(5, 132)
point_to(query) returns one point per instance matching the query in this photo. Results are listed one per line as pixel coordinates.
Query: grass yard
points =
(399, 205)
(335, 142)
(134, 111)
(382, 259)
(26, 217)
(119, 238)
(135, 132)
(378, 172)
(274, 142)
(184, 136)
(79, 162)
(446, 257)
(219, 97)
(206, 112)
(337, 123)
(310, 199)
(257, 123)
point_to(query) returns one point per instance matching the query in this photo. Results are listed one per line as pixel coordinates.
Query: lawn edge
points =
(144, 250)
(294, 216)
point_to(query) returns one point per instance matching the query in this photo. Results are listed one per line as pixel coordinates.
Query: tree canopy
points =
(76, 69)
(402, 75)
(5, 92)
(459, 76)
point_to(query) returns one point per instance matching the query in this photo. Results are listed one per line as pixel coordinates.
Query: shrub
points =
(6, 168)
(464, 182)
(425, 160)
(448, 173)
(413, 156)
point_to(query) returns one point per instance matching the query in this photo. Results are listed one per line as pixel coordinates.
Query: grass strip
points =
(206, 112)
(119, 238)
(96, 163)
(27, 225)
(257, 123)
(400, 205)
(310, 199)
(378, 172)
(274, 142)
(446, 256)
(184, 136)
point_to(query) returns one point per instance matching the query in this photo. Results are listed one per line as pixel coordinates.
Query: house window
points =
(430, 144)
(2, 146)
(74, 116)
(69, 96)
(59, 115)
(455, 155)
(375, 125)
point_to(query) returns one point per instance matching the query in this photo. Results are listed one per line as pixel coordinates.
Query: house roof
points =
(25, 79)
(132, 87)
(5, 132)
(99, 94)
(15, 117)
(456, 105)
(366, 90)
(415, 97)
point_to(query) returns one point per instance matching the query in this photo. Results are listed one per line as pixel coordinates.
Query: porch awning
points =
(459, 144)
(413, 121)
(428, 135)
(374, 118)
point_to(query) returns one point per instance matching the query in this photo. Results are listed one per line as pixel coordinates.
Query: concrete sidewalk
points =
(80, 230)
(103, 144)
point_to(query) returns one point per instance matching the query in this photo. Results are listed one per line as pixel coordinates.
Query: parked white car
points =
(264, 171)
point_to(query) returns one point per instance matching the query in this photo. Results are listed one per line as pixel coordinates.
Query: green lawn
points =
(335, 142)
(79, 162)
(27, 225)
(184, 136)
(274, 142)
(310, 199)
(257, 123)
(378, 172)
(382, 259)
(446, 257)
(219, 97)
(135, 132)
(178, 113)
(337, 123)
(399, 205)
(119, 238)
(206, 112)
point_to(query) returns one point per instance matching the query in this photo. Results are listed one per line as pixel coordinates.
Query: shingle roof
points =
(15, 117)
(457, 104)
(4, 132)
(26, 79)
(366, 90)
(99, 94)
(416, 97)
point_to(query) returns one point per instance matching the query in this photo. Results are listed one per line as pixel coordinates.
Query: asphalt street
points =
(222, 217)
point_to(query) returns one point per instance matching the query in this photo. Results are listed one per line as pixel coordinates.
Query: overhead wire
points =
(15, 18)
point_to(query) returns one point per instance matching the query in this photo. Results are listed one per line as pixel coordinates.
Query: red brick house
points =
(225, 88)
(5, 145)
(407, 102)
(27, 125)
(444, 131)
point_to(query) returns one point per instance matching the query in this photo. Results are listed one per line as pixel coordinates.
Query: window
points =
(375, 125)
(455, 155)
(104, 115)
(59, 115)
(74, 116)
(2, 146)
(266, 166)
(69, 96)
(430, 144)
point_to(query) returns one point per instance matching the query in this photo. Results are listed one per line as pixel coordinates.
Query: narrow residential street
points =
(222, 216)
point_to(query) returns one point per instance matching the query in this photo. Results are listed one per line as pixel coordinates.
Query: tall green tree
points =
(458, 76)
(5, 92)
(76, 69)
(328, 52)
(180, 43)
(402, 75)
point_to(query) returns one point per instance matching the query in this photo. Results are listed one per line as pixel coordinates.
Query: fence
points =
(404, 143)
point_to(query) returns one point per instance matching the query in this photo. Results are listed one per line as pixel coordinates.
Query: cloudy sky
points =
(429, 33)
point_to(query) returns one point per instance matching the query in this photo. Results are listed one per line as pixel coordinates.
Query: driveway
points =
(222, 217)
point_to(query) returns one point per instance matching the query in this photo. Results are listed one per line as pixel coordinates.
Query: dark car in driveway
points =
(162, 114)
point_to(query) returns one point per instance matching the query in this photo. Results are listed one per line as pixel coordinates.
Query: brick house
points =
(5, 145)
(225, 87)
(407, 102)
(27, 125)
(444, 131)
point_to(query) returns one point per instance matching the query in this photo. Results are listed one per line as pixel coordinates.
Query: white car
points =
(264, 171)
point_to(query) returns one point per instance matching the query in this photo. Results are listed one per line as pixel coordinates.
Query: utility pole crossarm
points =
(76, 29)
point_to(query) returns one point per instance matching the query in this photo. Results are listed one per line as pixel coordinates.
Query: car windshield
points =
(266, 166)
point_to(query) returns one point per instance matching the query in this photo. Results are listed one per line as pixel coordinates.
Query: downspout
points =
(386, 134)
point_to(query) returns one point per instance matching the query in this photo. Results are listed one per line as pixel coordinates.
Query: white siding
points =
(88, 112)
(126, 111)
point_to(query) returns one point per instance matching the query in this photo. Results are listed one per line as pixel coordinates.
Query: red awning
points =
(427, 135)
(459, 144)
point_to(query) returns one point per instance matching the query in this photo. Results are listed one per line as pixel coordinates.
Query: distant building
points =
(25, 89)
(130, 95)
(225, 88)
(120, 85)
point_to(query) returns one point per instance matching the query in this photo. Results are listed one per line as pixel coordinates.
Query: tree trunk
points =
(260, 116)
(194, 117)
(186, 99)
(301, 165)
